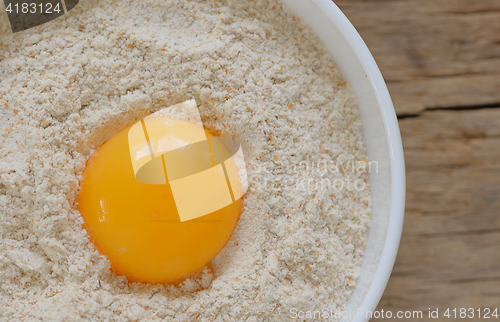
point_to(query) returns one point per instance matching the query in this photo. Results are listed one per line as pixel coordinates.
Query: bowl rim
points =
(396, 156)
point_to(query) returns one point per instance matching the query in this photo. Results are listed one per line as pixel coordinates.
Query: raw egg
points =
(157, 232)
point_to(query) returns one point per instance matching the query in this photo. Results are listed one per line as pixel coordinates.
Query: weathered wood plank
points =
(413, 96)
(442, 54)
(457, 125)
(423, 38)
(448, 259)
(449, 250)
(461, 294)
(453, 171)
(433, 53)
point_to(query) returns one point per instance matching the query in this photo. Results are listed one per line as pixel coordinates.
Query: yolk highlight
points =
(137, 226)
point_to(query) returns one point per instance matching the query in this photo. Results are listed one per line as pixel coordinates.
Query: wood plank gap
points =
(450, 108)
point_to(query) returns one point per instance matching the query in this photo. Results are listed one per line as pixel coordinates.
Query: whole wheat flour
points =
(257, 73)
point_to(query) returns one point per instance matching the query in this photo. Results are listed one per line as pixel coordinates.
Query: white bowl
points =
(382, 141)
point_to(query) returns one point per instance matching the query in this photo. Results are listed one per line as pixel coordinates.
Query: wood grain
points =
(433, 53)
(441, 59)
(449, 255)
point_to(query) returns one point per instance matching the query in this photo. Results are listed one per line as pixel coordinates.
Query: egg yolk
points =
(137, 225)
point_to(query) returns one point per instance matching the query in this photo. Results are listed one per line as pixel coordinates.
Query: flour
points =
(257, 73)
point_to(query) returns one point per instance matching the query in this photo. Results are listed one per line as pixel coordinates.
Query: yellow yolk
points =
(137, 225)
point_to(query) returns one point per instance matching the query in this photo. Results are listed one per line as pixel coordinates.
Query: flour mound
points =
(258, 74)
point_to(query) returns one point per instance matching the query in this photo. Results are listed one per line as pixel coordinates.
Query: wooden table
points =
(441, 61)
